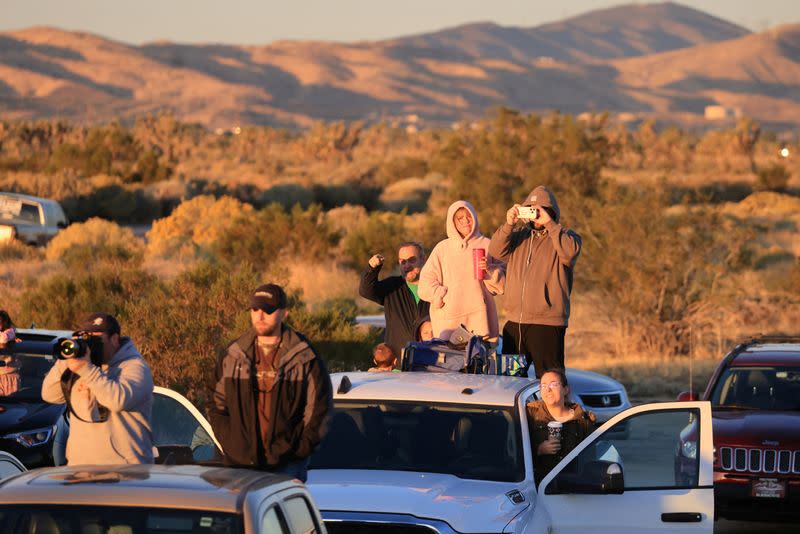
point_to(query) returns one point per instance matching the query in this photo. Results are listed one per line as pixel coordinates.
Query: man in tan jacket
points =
(110, 402)
(540, 256)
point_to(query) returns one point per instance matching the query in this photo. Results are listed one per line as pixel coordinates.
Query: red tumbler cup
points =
(477, 255)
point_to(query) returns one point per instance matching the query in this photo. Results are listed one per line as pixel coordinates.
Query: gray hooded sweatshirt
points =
(124, 387)
(539, 266)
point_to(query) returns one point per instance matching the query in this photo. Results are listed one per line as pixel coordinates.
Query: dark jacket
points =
(401, 310)
(300, 407)
(539, 268)
(572, 433)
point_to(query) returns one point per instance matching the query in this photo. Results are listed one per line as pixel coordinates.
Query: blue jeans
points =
(298, 469)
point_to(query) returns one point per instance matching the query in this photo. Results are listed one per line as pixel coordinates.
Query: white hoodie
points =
(125, 387)
(447, 281)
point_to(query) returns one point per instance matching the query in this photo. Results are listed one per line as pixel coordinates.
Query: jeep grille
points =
(759, 460)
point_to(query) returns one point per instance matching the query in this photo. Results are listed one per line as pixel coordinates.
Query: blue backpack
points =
(443, 356)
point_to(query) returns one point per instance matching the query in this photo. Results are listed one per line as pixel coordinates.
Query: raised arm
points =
(566, 243)
(51, 386)
(132, 387)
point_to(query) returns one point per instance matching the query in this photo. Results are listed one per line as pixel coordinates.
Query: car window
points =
(761, 388)
(22, 373)
(300, 515)
(273, 522)
(8, 468)
(655, 449)
(174, 424)
(472, 442)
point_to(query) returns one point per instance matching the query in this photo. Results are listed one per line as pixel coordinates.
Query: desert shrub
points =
(95, 236)
(182, 326)
(402, 167)
(410, 194)
(496, 166)
(658, 276)
(17, 250)
(271, 232)
(194, 226)
(61, 300)
(335, 195)
(380, 233)
(773, 177)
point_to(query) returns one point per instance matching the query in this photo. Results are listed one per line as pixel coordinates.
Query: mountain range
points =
(665, 61)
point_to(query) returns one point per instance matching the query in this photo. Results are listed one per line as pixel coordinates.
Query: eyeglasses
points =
(551, 385)
(403, 261)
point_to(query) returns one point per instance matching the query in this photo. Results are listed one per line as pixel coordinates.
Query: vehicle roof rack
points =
(760, 338)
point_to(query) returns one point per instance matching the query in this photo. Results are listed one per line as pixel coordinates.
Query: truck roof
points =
(457, 388)
(192, 487)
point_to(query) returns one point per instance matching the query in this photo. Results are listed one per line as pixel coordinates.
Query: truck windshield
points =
(761, 388)
(106, 520)
(470, 442)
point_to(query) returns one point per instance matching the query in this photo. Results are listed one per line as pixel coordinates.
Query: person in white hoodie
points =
(110, 404)
(448, 281)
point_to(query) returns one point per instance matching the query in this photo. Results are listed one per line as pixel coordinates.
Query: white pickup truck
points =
(450, 453)
(31, 220)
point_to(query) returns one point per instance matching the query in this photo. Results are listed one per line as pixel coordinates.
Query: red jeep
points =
(755, 401)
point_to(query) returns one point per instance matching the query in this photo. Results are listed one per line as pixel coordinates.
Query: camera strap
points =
(68, 379)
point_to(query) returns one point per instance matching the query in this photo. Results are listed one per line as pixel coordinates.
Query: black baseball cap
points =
(100, 322)
(268, 297)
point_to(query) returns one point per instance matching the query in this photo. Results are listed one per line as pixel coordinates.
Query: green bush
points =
(380, 233)
(271, 233)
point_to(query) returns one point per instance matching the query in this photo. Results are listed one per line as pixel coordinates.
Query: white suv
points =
(451, 453)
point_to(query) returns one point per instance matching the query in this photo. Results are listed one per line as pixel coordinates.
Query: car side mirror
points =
(598, 477)
(688, 396)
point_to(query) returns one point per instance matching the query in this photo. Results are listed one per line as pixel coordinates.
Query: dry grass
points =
(322, 282)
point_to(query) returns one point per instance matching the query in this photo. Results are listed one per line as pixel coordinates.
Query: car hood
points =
(466, 505)
(18, 416)
(589, 382)
(755, 427)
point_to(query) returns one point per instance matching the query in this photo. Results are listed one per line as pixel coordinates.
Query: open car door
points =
(647, 469)
(180, 432)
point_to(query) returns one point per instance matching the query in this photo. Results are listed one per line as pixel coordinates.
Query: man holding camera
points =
(541, 257)
(271, 393)
(108, 388)
(399, 295)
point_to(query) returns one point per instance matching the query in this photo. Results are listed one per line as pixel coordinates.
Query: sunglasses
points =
(412, 259)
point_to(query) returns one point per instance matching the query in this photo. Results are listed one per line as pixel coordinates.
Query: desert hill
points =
(662, 59)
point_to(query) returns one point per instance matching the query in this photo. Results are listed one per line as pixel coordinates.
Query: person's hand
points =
(76, 364)
(512, 215)
(551, 446)
(542, 216)
(82, 391)
(376, 261)
(483, 264)
(441, 291)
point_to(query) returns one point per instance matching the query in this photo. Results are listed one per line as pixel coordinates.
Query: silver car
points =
(155, 499)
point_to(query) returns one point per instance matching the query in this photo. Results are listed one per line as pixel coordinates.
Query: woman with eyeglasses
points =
(555, 405)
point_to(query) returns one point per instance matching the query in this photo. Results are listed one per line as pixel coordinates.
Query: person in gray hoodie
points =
(540, 256)
(110, 402)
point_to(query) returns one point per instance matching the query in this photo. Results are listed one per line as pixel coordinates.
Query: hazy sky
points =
(263, 21)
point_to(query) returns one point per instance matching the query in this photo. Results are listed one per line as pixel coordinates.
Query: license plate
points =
(770, 488)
